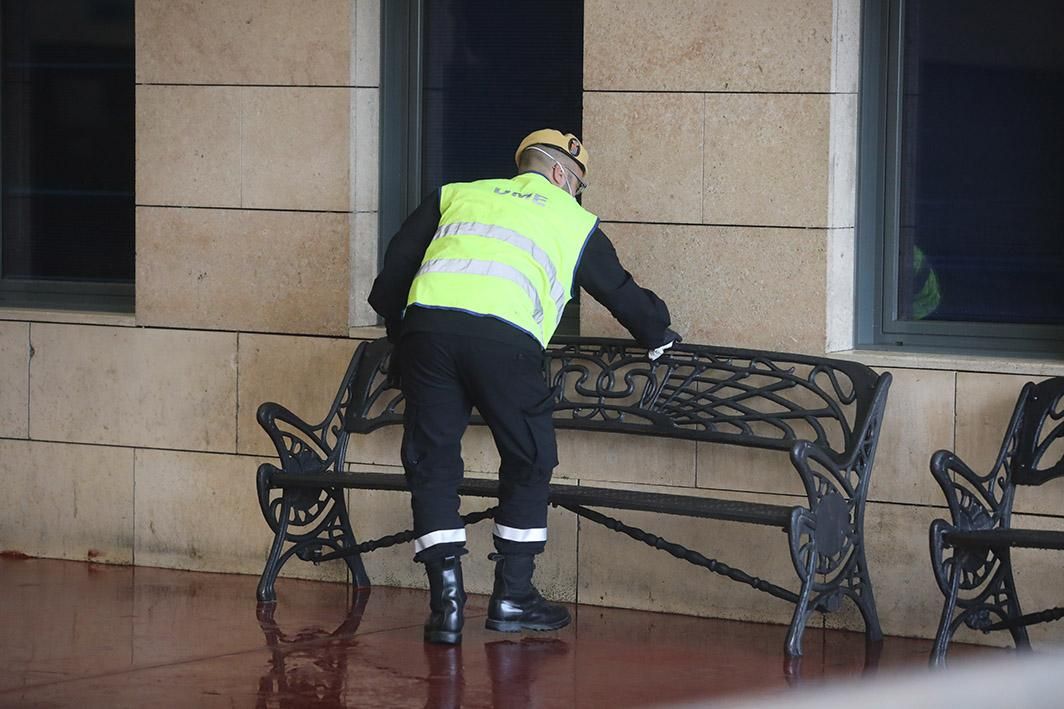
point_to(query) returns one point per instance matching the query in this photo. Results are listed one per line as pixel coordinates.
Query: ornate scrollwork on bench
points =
(824, 413)
(971, 555)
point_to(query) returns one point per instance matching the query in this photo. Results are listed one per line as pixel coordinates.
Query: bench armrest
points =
(806, 456)
(973, 505)
(983, 501)
(823, 536)
(263, 486)
(303, 449)
(823, 470)
(975, 501)
(300, 445)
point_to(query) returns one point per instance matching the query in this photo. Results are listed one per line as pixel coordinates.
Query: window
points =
(66, 153)
(462, 82)
(961, 202)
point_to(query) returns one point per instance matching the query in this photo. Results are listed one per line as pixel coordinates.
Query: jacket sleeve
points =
(639, 310)
(402, 259)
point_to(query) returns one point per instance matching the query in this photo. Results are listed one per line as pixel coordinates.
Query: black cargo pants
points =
(443, 377)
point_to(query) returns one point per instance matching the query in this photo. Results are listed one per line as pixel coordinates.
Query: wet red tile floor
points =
(90, 635)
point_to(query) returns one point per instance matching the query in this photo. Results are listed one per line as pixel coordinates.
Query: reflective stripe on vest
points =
(488, 231)
(488, 268)
(506, 249)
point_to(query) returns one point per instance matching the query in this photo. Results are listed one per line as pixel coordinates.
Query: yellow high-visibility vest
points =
(506, 249)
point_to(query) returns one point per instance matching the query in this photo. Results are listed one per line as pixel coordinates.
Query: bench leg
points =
(1012, 603)
(998, 599)
(802, 609)
(359, 577)
(331, 531)
(861, 583)
(946, 627)
(266, 592)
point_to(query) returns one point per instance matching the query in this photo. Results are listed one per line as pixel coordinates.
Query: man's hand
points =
(670, 339)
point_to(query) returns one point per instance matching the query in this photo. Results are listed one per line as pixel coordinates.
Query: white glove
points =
(658, 351)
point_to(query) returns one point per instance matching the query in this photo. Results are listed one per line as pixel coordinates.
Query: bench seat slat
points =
(1002, 538)
(705, 507)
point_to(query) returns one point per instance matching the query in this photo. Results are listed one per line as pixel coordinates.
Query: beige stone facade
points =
(724, 133)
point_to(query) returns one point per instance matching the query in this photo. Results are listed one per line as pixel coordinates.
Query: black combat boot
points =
(446, 600)
(515, 603)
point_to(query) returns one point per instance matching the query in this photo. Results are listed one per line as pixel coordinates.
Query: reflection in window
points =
(981, 184)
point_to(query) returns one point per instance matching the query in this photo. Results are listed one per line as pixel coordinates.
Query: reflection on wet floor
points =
(94, 635)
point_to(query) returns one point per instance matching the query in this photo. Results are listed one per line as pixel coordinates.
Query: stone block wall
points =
(723, 134)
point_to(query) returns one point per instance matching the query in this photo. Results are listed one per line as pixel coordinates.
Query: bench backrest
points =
(1038, 433)
(696, 392)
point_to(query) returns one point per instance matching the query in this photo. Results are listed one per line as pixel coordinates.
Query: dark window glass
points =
(981, 172)
(493, 72)
(67, 141)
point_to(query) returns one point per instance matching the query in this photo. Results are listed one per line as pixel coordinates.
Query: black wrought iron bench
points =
(971, 556)
(825, 414)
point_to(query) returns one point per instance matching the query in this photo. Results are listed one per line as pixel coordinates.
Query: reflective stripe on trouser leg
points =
(521, 520)
(520, 535)
(440, 536)
(512, 395)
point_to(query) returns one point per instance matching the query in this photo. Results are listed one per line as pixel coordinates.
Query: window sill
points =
(366, 332)
(992, 364)
(74, 317)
